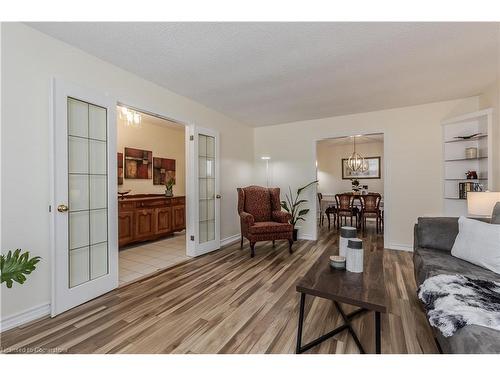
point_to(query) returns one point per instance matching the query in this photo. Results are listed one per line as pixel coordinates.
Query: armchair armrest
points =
(247, 218)
(281, 216)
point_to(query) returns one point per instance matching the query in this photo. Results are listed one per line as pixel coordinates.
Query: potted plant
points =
(355, 185)
(169, 186)
(15, 266)
(292, 205)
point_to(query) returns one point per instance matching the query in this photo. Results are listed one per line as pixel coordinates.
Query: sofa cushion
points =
(429, 262)
(478, 243)
(495, 215)
(472, 339)
(270, 227)
(437, 232)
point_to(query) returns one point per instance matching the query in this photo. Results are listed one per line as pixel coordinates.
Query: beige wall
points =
(165, 142)
(412, 151)
(329, 157)
(30, 60)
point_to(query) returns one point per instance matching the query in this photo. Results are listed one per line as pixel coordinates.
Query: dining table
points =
(328, 201)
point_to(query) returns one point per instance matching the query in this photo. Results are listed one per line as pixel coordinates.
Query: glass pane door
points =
(206, 185)
(87, 192)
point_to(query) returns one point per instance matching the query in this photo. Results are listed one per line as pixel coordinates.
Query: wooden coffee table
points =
(365, 290)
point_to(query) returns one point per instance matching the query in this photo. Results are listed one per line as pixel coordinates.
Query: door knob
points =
(218, 196)
(62, 208)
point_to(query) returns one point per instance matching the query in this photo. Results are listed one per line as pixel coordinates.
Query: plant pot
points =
(295, 233)
(169, 193)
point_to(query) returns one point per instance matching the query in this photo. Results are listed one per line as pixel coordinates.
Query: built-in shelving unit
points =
(455, 161)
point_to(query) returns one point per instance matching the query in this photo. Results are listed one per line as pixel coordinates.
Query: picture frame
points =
(138, 164)
(373, 171)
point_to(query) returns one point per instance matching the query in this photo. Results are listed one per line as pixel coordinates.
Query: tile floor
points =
(149, 257)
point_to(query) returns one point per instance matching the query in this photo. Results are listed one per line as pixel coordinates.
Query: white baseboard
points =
(25, 316)
(229, 240)
(397, 246)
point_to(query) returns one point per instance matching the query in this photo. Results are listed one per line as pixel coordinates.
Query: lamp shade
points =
(482, 203)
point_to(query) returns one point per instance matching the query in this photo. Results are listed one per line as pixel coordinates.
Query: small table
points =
(365, 290)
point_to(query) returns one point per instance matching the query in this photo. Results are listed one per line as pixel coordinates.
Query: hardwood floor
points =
(226, 302)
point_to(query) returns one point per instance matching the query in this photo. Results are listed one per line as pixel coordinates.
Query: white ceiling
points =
(269, 73)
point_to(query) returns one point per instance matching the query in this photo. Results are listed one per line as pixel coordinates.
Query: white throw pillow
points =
(478, 243)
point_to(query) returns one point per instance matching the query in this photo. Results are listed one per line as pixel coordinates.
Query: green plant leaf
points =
(305, 187)
(15, 266)
(303, 212)
(284, 205)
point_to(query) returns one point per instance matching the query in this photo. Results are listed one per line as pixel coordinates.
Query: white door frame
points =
(194, 247)
(387, 198)
(61, 298)
(144, 108)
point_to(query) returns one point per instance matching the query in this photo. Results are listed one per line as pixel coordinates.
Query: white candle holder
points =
(346, 233)
(354, 258)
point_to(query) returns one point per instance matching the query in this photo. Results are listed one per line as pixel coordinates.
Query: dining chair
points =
(345, 208)
(370, 208)
(320, 198)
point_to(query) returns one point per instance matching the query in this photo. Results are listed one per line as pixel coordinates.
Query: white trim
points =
(386, 168)
(25, 316)
(398, 246)
(230, 240)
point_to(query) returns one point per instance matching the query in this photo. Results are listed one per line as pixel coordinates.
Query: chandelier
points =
(356, 163)
(130, 117)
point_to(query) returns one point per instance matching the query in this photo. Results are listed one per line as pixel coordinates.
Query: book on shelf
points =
(465, 187)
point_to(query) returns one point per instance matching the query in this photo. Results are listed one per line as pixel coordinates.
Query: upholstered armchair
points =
(261, 217)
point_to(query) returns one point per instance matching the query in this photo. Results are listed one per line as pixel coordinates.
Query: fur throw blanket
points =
(454, 301)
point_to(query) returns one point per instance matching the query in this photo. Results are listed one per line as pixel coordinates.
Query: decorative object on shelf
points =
(471, 153)
(346, 233)
(356, 163)
(131, 118)
(482, 203)
(169, 186)
(120, 168)
(466, 187)
(471, 175)
(163, 170)
(464, 137)
(373, 171)
(291, 205)
(337, 262)
(354, 257)
(15, 266)
(138, 163)
(122, 193)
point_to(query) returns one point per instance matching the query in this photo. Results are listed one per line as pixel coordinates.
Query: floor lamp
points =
(267, 158)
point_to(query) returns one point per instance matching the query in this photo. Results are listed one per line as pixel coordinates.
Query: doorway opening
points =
(151, 160)
(350, 173)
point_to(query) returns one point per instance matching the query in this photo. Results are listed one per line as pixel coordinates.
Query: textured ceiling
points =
(269, 73)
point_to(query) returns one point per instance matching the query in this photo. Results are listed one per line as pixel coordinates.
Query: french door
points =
(204, 191)
(85, 239)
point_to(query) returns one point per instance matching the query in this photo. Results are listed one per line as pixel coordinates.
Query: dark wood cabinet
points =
(179, 217)
(149, 216)
(145, 224)
(125, 227)
(164, 220)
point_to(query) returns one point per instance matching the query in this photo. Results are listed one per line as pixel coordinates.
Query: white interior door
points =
(84, 209)
(204, 191)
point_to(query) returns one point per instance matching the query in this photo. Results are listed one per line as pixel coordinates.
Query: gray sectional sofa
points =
(433, 240)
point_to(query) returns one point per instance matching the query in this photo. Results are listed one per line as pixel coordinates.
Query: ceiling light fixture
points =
(356, 163)
(132, 119)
